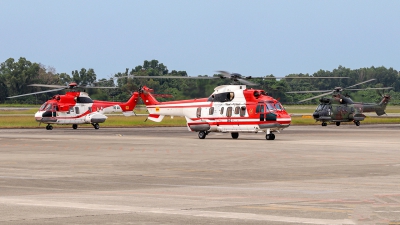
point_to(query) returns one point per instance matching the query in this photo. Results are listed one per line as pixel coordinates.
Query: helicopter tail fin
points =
(127, 107)
(382, 105)
(147, 97)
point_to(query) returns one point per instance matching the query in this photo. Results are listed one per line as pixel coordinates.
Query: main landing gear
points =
(357, 123)
(235, 135)
(270, 136)
(96, 126)
(49, 127)
(324, 124)
(202, 134)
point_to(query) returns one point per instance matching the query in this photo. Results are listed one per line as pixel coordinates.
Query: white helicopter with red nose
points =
(76, 107)
(229, 109)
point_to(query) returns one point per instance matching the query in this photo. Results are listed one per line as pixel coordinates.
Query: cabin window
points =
(229, 111)
(71, 109)
(222, 97)
(211, 111)
(258, 108)
(198, 113)
(77, 110)
(222, 110)
(237, 109)
(243, 111)
(84, 100)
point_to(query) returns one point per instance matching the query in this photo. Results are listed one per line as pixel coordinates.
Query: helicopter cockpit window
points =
(84, 100)
(279, 106)
(48, 107)
(270, 106)
(222, 97)
(43, 107)
(319, 107)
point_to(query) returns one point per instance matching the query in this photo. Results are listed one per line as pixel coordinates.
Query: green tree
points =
(84, 77)
(16, 75)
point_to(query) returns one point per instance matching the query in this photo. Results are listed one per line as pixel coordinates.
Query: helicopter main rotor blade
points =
(303, 77)
(48, 85)
(39, 92)
(361, 89)
(298, 92)
(247, 82)
(321, 95)
(359, 83)
(225, 74)
(175, 77)
(164, 77)
(97, 87)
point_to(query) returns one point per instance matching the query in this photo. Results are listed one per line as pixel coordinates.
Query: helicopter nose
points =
(315, 115)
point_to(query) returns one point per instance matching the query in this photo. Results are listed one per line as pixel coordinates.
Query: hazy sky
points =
(202, 36)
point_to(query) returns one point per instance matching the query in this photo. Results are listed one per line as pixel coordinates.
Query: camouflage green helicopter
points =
(341, 108)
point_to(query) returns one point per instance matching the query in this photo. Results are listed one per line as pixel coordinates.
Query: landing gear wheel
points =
(202, 134)
(96, 126)
(337, 123)
(270, 136)
(74, 126)
(357, 123)
(235, 135)
(49, 127)
(324, 124)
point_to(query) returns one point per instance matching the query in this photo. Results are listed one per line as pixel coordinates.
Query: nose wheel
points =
(324, 124)
(74, 126)
(357, 123)
(49, 127)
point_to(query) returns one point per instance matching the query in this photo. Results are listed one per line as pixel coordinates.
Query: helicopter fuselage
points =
(342, 109)
(230, 108)
(78, 108)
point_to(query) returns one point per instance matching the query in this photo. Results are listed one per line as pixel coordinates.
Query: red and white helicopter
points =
(76, 107)
(229, 109)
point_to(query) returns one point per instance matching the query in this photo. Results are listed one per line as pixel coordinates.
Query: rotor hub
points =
(72, 85)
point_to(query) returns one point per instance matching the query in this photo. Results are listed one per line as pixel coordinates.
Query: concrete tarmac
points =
(307, 175)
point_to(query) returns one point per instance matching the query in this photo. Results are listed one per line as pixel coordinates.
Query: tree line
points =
(16, 75)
